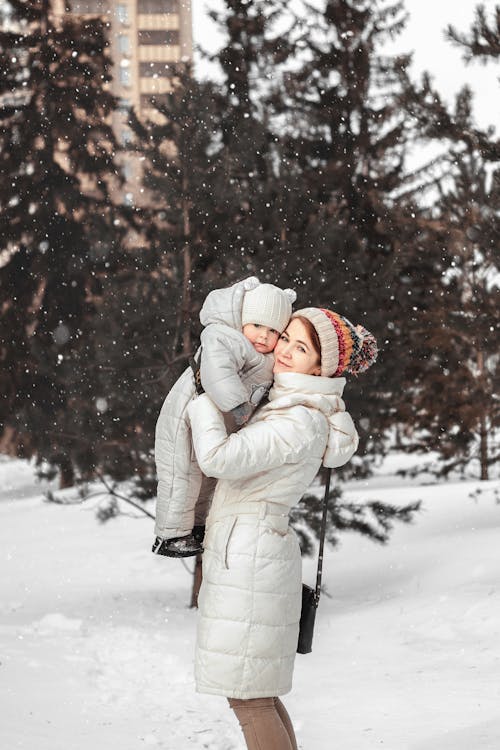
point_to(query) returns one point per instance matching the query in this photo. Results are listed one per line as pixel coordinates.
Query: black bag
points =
(310, 597)
(307, 617)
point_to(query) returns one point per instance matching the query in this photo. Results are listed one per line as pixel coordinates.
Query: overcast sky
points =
(425, 36)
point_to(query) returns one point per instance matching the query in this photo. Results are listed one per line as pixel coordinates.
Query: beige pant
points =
(265, 723)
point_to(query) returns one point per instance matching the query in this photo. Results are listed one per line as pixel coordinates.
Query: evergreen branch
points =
(112, 491)
(483, 42)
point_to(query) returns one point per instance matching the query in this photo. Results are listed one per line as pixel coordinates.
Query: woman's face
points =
(295, 352)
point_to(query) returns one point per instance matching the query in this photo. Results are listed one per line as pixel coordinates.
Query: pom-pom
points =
(365, 354)
(291, 294)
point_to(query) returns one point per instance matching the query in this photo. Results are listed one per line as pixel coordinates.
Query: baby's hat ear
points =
(250, 283)
(291, 294)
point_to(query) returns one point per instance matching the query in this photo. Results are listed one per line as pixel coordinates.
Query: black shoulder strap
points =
(322, 536)
(195, 366)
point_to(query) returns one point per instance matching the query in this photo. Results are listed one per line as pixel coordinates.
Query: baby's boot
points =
(179, 546)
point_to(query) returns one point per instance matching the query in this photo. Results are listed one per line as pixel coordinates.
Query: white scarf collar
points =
(290, 388)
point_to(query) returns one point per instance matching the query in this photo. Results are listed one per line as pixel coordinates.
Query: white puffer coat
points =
(232, 372)
(250, 598)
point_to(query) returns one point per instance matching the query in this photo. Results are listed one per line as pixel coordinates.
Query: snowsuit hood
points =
(224, 306)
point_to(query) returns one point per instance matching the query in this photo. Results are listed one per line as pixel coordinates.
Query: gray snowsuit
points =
(232, 373)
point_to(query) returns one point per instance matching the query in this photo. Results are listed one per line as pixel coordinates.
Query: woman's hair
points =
(313, 335)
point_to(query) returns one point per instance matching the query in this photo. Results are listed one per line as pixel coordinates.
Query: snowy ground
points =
(97, 640)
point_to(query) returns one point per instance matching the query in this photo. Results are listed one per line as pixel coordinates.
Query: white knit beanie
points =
(267, 305)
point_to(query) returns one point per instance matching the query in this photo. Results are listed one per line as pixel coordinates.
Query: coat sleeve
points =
(264, 445)
(223, 356)
(342, 442)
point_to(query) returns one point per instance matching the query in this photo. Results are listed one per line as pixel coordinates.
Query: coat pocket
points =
(227, 539)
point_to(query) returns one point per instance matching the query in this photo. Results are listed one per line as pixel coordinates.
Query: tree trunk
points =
(186, 284)
(483, 432)
(483, 447)
(66, 473)
(197, 576)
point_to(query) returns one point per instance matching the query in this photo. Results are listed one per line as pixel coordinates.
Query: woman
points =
(250, 599)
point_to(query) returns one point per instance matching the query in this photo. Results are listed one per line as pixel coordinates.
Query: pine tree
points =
(183, 177)
(61, 230)
(255, 206)
(150, 306)
(354, 241)
(435, 121)
(456, 412)
(330, 162)
(454, 395)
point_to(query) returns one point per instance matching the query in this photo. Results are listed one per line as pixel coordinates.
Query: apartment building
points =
(149, 38)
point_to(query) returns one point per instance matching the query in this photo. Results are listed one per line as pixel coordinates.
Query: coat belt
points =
(259, 508)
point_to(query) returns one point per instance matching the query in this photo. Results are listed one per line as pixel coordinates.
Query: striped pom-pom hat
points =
(345, 348)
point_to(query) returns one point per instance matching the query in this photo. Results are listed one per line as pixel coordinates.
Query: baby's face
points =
(264, 339)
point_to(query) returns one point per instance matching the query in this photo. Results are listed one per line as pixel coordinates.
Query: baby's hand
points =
(241, 413)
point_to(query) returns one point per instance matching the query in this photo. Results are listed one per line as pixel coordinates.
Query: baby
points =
(241, 327)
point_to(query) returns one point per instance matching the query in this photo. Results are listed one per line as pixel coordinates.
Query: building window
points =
(152, 101)
(157, 6)
(89, 7)
(157, 69)
(127, 171)
(126, 137)
(162, 36)
(122, 13)
(124, 105)
(124, 75)
(124, 44)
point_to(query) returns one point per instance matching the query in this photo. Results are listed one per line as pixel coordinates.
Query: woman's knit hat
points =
(344, 347)
(267, 305)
